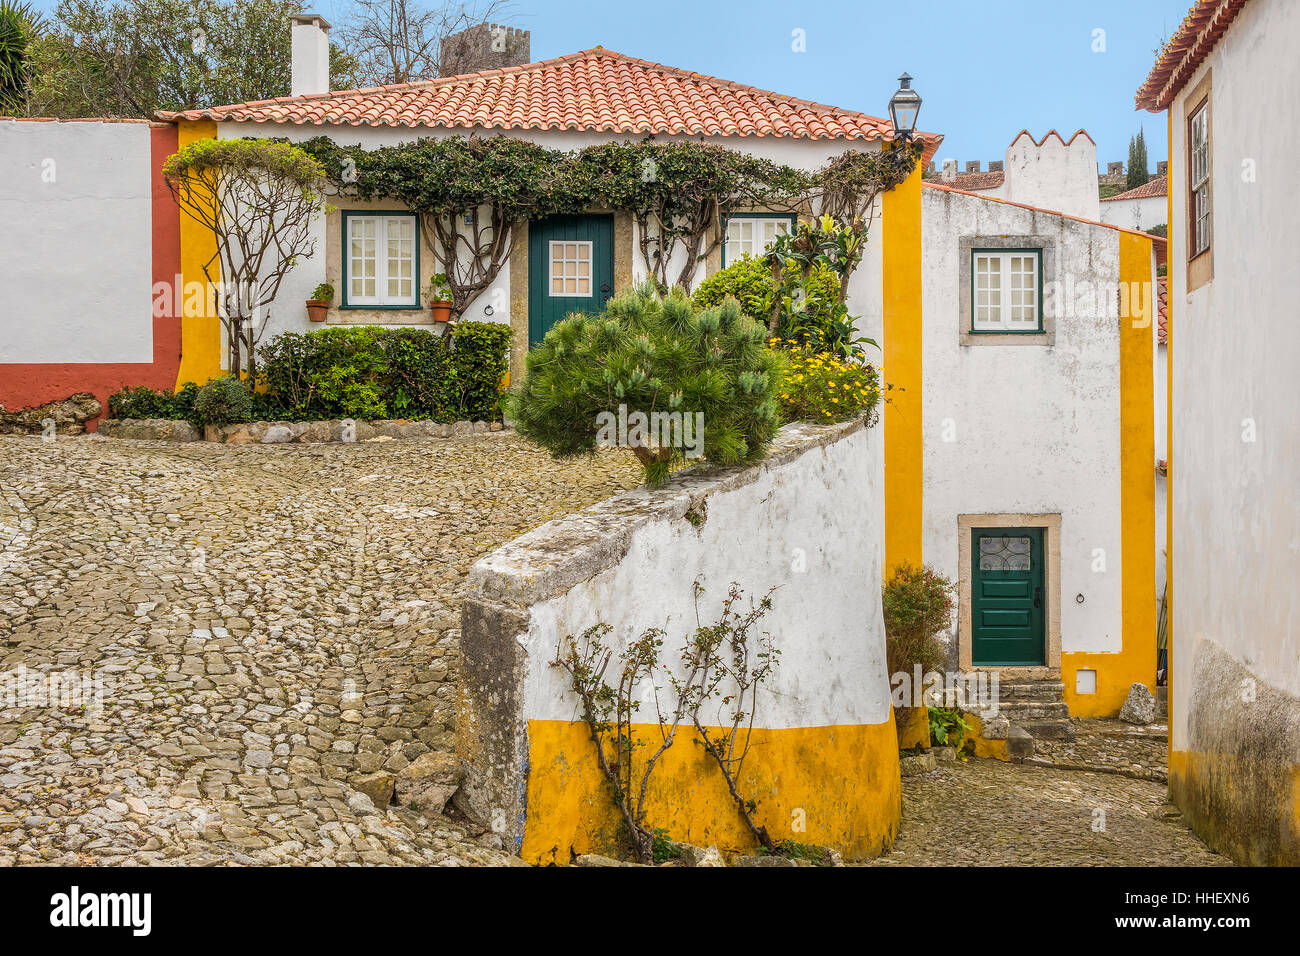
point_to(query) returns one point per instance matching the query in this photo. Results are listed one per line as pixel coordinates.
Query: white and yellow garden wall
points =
(824, 763)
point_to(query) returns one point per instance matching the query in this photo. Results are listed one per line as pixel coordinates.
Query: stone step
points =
(1033, 709)
(1047, 729)
(1031, 690)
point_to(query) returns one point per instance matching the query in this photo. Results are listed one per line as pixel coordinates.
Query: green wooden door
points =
(570, 269)
(1008, 599)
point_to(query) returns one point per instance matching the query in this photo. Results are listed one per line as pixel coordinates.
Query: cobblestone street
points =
(991, 813)
(266, 622)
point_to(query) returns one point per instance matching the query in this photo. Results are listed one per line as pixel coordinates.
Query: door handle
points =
(604, 292)
(1038, 597)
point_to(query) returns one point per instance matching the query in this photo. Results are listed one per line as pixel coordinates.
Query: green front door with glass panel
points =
(570, 269)
(1008, 603)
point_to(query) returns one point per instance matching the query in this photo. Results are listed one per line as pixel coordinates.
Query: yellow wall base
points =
(837, 787)
(1247, 808)
(1116, 673)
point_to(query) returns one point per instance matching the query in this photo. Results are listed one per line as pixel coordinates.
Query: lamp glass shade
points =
(904, 107)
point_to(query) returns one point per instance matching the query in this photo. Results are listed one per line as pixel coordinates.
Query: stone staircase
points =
(1034, 708)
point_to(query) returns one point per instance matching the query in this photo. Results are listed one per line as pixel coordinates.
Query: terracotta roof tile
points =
(1185, 51)
(973, 182)
(1151, 189)
(594, 90)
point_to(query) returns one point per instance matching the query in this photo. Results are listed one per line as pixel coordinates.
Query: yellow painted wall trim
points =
(1136, 660)
(900, 230)
(1169, 424)
(829, 786)
(200, 332)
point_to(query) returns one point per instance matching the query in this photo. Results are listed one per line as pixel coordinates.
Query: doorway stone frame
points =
(1051, 525)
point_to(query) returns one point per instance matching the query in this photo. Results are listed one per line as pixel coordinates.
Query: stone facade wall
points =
(824, 766)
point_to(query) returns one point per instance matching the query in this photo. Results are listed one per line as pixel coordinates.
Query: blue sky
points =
(985, 68)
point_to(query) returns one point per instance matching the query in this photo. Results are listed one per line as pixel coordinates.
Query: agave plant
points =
(18, 23)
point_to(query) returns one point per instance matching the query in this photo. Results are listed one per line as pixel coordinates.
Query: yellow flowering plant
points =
(820, 387)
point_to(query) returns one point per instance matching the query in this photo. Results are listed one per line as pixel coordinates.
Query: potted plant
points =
(440, 298)
(319, 302)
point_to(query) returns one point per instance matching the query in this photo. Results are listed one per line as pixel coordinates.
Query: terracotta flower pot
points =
(316, 309)
(441, 310)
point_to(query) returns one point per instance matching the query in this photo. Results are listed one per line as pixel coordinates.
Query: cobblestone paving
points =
(266, 622)
(991, 813)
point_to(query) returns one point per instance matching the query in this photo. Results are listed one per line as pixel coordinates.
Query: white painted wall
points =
(289, 314)
(1035, 429)
(76, 248)
(1053, 175)
(826, 619)
(1236, 503)
(1139, 214)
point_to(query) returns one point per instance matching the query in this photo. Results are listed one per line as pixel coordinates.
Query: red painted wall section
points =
(28, 385)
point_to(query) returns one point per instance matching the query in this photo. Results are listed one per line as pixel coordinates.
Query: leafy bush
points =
(223, 401)
(144, 402)
(947, 728)
(917, 606)
(652, 354)
(819, 387)
(367, 372)
(749, 280)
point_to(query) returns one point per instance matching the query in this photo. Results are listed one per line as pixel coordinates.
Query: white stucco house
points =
(1141, 208)
(1229, 84)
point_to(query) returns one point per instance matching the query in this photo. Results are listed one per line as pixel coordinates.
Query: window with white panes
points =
(571, 268)
(1199, 176)
(381, 261)
(751, 235)
(1006, 290)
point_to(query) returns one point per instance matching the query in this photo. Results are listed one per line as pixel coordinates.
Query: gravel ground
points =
(240, 630)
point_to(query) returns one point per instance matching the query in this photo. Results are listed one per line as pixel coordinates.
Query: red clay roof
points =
(1185, 51)
(1153, 188)
(593, 90)
(973, 182)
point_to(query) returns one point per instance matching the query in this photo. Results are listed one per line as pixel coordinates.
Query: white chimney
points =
(310, 55)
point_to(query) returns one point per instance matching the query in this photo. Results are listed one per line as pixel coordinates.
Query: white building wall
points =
(1235, 472)
(1054, 175)
(75, 251)
(289, 314)
(1139, 214)
(1025, 429)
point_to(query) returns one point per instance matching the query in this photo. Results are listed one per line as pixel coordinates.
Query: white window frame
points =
(1198, 151)
(551, 260)
(381, 299)
(993, 305)
(731, 248)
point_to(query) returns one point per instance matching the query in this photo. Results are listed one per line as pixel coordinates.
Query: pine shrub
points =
(653, 354)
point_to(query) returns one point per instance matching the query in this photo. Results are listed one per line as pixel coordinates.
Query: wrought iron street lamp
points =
(903, 107)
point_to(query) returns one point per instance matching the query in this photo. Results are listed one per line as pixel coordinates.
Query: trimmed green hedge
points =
(363, 373)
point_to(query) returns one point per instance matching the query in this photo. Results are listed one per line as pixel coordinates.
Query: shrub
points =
(917, 606)
(749, 281)
(368, 372)
(144, 402)
(480, 359)
(652, 354)
(819, 387)
(223, 401)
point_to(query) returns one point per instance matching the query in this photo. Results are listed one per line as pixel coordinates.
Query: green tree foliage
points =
(652, 353)
(917, 606)
(1137, 162)
(223, 401)
(129, 58)
(19, 26)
